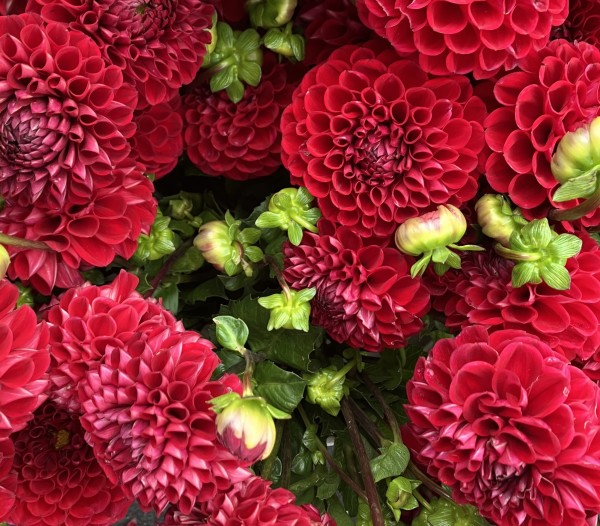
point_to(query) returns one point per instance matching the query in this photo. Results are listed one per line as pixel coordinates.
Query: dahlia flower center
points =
(61, 439)
(143, 18)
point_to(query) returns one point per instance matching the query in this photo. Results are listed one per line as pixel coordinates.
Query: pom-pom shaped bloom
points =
(65, 116)
(87, 320)
(158, 143)
(159, 45)
(377, 141)
(583, 22)
(481, 293)
(8, 480)
(556, 92)
(466, 36)
(239, 141)
(24, 359)
(146, 409)
(59, 480)
(510, 426)
(251, 503)
(89, 235)
(365, 296)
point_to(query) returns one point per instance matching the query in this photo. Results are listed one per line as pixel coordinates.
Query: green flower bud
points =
(497, 219)
(326, 388)
(285, 42)
(289, 310)
(4, 261)
(444, 511)
(219, 247)
(399, 495)
(159, 243)
(270, 13)
(181, 208)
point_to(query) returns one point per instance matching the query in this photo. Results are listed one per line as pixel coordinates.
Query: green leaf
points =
(295, 233)
(249, 236)
(191, 261)
(222, 79)
(213, 288)
(232, 333)
(565, 246)
(302, 463)
(329, 486)
(556, 276)
(250, 73)
(280, 388)
(254, 254)
(235, 91)
(297, 45)
(339, 514)
(170, 297)
(391, 463)
(582, 186)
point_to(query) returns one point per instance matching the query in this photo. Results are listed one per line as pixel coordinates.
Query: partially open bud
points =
(444, 511)
(4, 261)
(289, 310)
(219, 248)
(496, 217)
(399, 495)
(270, 13)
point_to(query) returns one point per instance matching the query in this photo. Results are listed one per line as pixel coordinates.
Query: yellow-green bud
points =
(159, 242)
(289, 310)
(577, 152)
(4, 261)
(219, 248)
(496, 217)
(399, 495)
(270, 13)
(326, 388)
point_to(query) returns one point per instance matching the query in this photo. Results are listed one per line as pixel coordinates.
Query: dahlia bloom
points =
(59, 481)
(147, 413)
(89, 235)
(239, 141)
(464, 37)
(65, 116)
(556, 91)
(11, 7)
(481, 293)
(158, 143)
(231, 11)
(377, 141)
(251, 503)
(8, 479)
(159, 45)
(510, 426)
(365, 295)
(85, 321)
(583, 22)
(24, 359)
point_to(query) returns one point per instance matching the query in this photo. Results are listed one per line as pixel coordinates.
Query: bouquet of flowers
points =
(300, 262)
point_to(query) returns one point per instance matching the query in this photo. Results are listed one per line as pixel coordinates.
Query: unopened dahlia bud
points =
(289, 310)
(219, 248)
(399, 495)
(181, 207)
(327, 387)
(444, 511)
(4, 261)
(270, 13)
(285, 42)
(496, 217)
(159, 242)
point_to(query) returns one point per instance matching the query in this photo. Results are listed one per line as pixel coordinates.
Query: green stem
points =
(342, 372)
(303, 223)
(387, 410)
(589, 205)
(248, 372)
(421, 500)
(515, 255)
(167, 267)
(18, 242)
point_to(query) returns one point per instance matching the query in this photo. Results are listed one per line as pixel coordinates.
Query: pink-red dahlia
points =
(65, 116)
(467, 36)
(24, 360)
(159, 45)
(556, 91)
(239, 141)
(158, 143)
(583, 22)
(85, 321)
(59, 480)
(147, 413)
(377, 141)
(88, 235)
(510, 426)
(365, 295)
(481, 293)
(251, 503)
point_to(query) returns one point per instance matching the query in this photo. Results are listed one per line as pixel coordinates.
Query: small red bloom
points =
(365, 295)
(466, 36)
(377, 141)
(556, 91)
(510, 426)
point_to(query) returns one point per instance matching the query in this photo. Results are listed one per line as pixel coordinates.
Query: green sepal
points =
(221, 402)
(556, 276)
(254, 254)
(295, 233)
(232, 333)
(577, 188)
(222, 79)
(235, 91)
(565, 246)
(269, 220)
(525, 272)
(419, 267)
(278, 413)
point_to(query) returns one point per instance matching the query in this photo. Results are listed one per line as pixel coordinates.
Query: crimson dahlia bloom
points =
(365, 295)
(8, 479)
(65, 116)
(583, 22)
(159, 45)
(239, 141)
(59, 481)
(467, 36)
(556, 91)
(510, 426)
(377, 141)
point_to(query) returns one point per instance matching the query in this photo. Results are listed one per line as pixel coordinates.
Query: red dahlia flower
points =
(85, 321)
(377, 141)
(365, 295)
(11, 7)
(65, 116)
(583, 22)
(8, 479)
(231, 11)
(251, 503)
(481, 293)
(88, 235)
(59, 481)
(557, 91)
(466, 36)
(239, 141)
(510, 426)
(147, 413)
(159, 45)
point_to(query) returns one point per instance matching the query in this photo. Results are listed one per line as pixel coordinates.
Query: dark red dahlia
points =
(231, 11)
(158, 143)
(84, 322)
(251, 503)
(365, 295)
(583, 22)
(59, 481)
(24, 359)
(510, 426)
(8, 479)
(159, 44)
(239, 141)
(11, 7)
(466, 36)
(556, 91)
(65, 116)
(88, 235)
(147, 413)
(481, 293)
(377, 141)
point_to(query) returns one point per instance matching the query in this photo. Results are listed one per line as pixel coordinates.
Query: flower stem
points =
(18, 242)
(387, 410)
(167, 267)
(589, 205)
